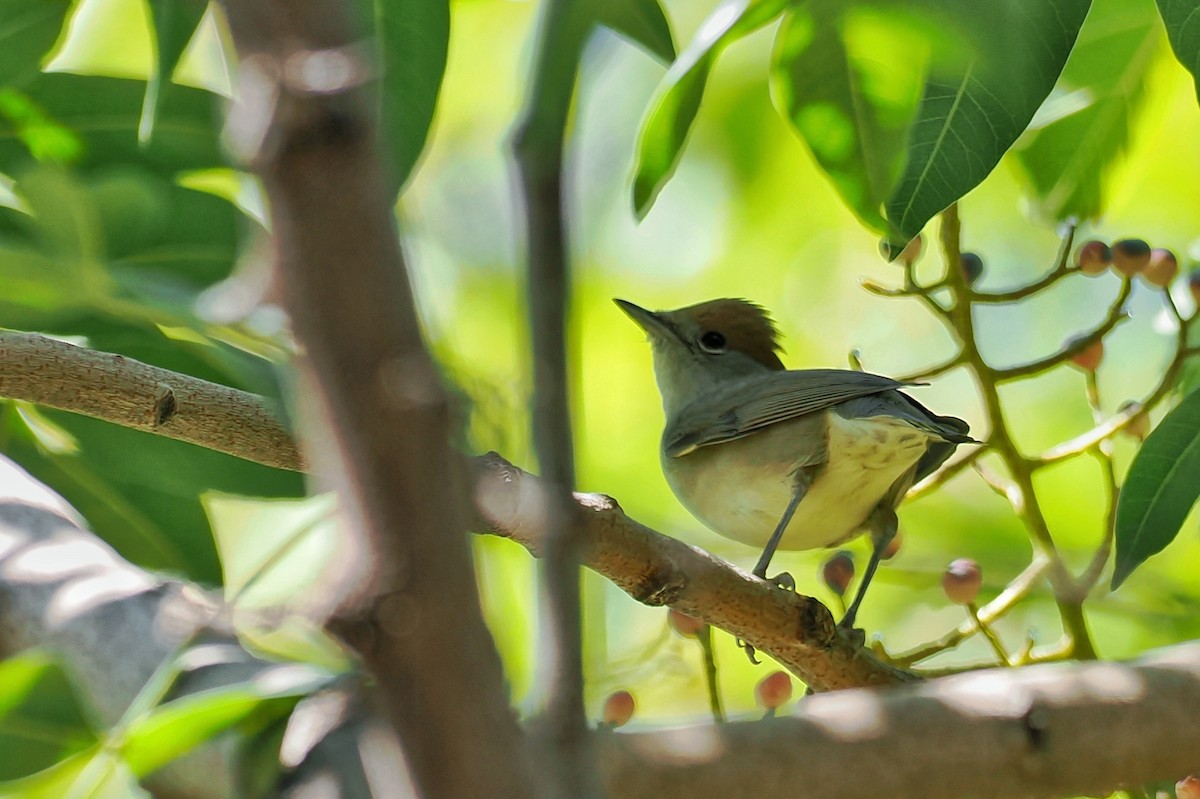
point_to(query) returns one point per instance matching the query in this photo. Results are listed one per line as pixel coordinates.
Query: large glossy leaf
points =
(1083, 128)
(40, 719)
(849, 82)
(27, 32)
(665, 129)
(975, 107)
(411, 39)
(1182, 19)
(104, 114)
(173, 22)
(1160, 489)
(642, 22)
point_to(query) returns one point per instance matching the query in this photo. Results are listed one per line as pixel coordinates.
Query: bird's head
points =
(703, 344)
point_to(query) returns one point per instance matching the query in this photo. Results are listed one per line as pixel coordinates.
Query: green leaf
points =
(40, 719)
(665, 129)
(849, 80)
(272, 552)
(27, 32)
(1160, 489)
(104, 114)
(1183, 30)
(173, 22)
(411, 39)
(1081, 130)
(175, 728)
(92, 774)
(641, 21)
(973, 109)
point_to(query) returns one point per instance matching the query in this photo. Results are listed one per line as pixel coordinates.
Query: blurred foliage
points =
(118, 210)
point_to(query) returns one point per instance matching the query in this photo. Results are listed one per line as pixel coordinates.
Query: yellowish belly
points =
(741, 488)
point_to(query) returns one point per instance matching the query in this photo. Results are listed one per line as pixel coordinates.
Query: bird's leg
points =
(883, 529)
(783, 579)
(803, 479)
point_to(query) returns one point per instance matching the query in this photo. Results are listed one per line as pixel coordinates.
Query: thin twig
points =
(1116, 314)
(539, 148)
(1056, 273)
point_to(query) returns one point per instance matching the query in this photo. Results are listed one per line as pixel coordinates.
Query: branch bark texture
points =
(121, 390)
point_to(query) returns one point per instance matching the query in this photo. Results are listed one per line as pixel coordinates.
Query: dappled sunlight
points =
(689, 745)
(848, 715)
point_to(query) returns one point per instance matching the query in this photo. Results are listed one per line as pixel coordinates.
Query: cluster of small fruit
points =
(1129, 257)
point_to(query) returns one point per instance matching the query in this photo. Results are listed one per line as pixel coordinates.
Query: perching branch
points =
(797, 631)
(123, 391)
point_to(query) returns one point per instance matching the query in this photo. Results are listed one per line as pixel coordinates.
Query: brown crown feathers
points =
(747, 328)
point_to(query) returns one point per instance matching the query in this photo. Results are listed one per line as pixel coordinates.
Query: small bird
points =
(772, 457)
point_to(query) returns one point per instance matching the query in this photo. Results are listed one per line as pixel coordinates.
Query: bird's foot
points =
(856, 635)
(782, 580)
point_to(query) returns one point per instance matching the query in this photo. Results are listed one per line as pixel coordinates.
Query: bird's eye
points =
(712, 341)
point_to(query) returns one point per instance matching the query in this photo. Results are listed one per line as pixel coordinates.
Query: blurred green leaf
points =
(175, 728)
(1081, 130)
(665, 128)
(40, 718)
(849, 80)
(973, 110)
(641, 21)
(1160, 489)
(273, 553)
(1183, 29)
(141, 492)
(27, 32)
(91, 774)
(411, 39)
(173, 22)
(105, 115)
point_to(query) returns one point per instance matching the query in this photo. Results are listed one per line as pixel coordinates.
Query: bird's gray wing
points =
(739, 407)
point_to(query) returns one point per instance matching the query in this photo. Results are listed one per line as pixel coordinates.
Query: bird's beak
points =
(652, 323)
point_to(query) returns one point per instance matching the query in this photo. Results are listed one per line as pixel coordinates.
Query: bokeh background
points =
(749, 215)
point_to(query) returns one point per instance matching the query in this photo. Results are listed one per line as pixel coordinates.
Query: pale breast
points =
(741, 488)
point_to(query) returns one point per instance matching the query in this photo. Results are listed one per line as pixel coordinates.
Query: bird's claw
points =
(785, 581)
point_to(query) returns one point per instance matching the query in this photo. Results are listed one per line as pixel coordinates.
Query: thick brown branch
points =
(1041, 731)
(382, 425)
(797, 631)
(123, 391)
